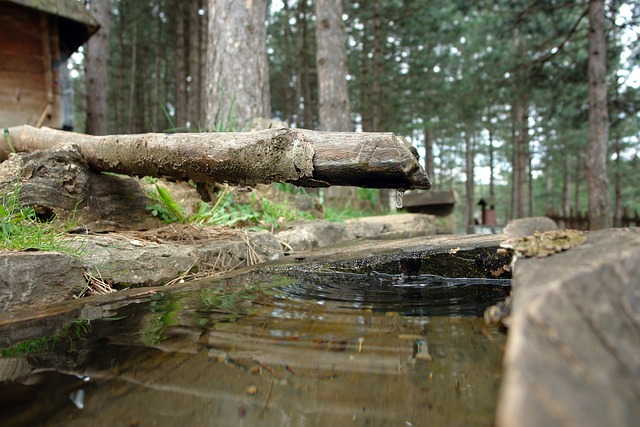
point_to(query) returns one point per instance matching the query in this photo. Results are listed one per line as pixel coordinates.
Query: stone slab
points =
(573, 351)
(318, 234)
(38, 278)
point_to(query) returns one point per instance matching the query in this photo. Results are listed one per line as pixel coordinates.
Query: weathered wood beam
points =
(301, 157)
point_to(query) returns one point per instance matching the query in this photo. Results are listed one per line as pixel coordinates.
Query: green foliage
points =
(260, 214)
(7, 138)
(370, 195)
(339, 215)
(286, 187)
(20, 229)
(228, 123)
(166, 207)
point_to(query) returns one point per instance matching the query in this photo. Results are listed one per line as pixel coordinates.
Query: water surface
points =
(320, 348)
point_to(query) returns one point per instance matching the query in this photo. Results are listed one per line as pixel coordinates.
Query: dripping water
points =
(399, 194)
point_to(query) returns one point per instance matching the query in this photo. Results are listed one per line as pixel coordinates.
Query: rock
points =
(38, 278)
(158, 256)
(58, 182)
(307, 235)
(146, 261)
(400, 226)
(527, 226)
(572, 354)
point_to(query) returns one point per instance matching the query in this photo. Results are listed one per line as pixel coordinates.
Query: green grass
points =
(21, 230)
(258, 213)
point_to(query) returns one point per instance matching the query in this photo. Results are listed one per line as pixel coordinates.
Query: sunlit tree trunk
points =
(237, 74)
(597, 179)
(97, 72)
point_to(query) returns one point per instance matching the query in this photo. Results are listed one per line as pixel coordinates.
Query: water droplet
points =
(399, 195)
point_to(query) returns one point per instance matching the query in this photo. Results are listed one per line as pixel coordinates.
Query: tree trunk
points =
(529, 158)
(378, 70)
(548, 208)
(132, 76)
(618, 184)
(597, 179)
(307, 93)
(302, 157)
(300, 45)
(578, 180)
(156, 100)
(429, 164)
(492, 172)
(521, 157)
(196, 59)
(237, 73)
(331, 59)
(469, 183)
(289, 44)
(97, 72)
(121, 100)
(566, 188)
(331, 63)
(180, 67)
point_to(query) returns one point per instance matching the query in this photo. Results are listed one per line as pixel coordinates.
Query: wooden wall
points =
(29, 54)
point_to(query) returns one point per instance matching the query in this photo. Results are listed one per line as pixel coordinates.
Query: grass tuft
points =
(21, 230)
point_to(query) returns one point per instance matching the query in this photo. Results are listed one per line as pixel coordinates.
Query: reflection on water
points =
(385, 351)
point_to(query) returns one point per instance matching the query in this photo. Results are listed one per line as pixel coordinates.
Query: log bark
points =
(301, 157)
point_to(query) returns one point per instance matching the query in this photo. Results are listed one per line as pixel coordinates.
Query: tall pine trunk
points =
(331, 60)
(597, 179)
(331, 63)
(196, 60)
(180, 67)
(469, 171)
(97, 72)
(237, 74)
(429, 164)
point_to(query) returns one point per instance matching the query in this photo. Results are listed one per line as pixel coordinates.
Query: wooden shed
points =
(36, 39)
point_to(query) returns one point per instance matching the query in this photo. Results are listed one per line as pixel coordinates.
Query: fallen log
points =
(298, 156)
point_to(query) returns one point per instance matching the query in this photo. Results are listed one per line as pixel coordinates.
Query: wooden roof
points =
(76, 25)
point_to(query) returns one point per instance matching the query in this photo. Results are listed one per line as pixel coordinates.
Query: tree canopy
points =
(496, 91)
